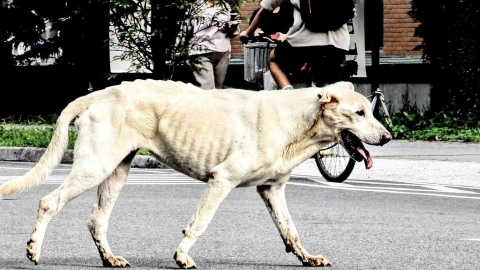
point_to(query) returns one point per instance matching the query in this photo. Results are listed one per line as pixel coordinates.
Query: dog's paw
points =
(316, 261)
(184, 261)
(115, 261)
(32, 254)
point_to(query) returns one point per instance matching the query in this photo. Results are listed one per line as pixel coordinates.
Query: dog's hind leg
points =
(108, 192)
(85, 175)
(274, 198)
(217, 189)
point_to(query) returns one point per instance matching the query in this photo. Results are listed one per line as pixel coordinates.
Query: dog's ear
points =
(344, 85)
(327, 100)
(324, 98)
(334, 92)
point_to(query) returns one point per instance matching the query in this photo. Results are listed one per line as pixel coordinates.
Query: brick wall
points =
(398, 29)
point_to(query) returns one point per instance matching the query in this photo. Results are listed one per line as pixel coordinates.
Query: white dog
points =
(225, 138)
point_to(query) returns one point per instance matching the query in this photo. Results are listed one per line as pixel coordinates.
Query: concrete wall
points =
(397, 95)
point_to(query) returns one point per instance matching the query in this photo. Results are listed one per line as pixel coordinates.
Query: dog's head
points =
(349, 115)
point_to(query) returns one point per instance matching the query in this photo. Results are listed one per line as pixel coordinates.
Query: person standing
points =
(209, 42)
(324, 52)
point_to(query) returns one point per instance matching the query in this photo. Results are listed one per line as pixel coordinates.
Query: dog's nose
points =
(385, 138)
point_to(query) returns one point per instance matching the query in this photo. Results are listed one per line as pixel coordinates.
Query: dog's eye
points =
(360, 112)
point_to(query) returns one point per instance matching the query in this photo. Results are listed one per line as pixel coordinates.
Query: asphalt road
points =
(382, 221)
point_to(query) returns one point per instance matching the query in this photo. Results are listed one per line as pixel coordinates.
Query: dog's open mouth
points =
(355, 148)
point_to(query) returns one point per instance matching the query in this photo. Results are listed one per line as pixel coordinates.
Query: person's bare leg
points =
(277, 73)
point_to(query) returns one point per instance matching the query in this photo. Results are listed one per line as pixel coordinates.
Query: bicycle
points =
(333, 161)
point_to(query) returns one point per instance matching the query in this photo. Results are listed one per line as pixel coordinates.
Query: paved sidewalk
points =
(33, 154)
(446, 163)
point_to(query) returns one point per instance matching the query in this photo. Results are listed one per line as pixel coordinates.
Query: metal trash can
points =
(255, 59)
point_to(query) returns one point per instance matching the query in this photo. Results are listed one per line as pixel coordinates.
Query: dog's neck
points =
(302, 140)
(303, 146)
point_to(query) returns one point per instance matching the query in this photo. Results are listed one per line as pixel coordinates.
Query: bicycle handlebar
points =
(259, 38)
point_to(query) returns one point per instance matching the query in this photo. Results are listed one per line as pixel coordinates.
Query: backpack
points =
(326, 15)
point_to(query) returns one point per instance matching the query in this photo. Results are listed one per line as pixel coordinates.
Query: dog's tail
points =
(54, 152)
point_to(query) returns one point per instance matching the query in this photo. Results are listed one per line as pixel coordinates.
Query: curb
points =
(33, 154)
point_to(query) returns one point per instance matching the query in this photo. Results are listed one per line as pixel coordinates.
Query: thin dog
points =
(226, 138)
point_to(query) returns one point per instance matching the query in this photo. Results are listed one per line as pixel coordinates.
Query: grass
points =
(13, 132)
(409, 124)
(31, 137)
(413, 124)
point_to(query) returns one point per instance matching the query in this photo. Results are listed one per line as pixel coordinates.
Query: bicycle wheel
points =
(334, 163)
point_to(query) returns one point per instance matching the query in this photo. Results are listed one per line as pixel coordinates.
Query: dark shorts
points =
(325, 62)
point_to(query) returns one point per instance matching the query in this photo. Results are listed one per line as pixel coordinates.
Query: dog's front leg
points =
(274, 198)
(217, 189)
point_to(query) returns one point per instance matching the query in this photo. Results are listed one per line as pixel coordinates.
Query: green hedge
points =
(450, 30)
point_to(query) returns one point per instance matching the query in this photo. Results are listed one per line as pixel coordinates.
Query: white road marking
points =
(448, 189)
(139, 176)
(420, 184)
(386, 191)
(159, 177)
(424, 187)
(333, 184)
(471, 239)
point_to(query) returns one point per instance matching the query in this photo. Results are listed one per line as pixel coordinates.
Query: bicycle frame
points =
(379, 97)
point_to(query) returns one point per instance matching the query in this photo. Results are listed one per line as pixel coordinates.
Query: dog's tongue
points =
(366, 157)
